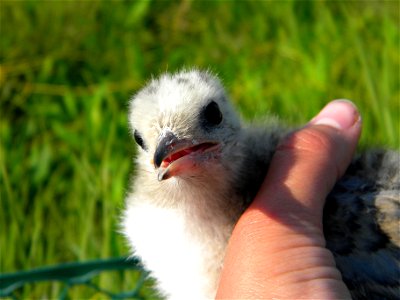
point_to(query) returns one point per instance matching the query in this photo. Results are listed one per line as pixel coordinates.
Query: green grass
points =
(68, 69)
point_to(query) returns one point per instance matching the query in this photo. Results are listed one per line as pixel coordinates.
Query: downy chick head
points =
(184, 124)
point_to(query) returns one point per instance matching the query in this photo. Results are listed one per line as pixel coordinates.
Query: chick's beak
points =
(175, 156)
(166, 145)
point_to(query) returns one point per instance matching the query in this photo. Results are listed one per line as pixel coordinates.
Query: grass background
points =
(68, 69)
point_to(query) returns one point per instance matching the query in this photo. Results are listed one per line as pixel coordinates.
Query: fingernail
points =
(340, 114)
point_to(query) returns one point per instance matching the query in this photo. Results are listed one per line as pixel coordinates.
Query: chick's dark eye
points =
(139, 139)
(212, 114)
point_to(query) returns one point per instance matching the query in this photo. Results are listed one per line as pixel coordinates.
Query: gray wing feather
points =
(361, 226)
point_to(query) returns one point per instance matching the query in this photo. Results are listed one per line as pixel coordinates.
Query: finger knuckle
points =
(309, 140)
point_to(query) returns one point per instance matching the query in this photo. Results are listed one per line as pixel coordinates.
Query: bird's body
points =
(199, 168)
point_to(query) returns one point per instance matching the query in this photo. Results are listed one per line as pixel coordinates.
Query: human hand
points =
(277, 249)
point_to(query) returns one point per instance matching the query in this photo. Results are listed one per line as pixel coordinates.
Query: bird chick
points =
(198, 167)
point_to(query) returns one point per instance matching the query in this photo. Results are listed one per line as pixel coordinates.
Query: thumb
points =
(277, 247)
(310, 161)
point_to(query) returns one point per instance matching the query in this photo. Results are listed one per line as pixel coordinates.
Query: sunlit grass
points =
(69, 68)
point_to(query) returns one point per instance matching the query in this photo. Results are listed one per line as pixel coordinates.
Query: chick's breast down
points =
(198, 167)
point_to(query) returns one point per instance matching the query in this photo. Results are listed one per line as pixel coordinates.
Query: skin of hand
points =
(277, 249)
